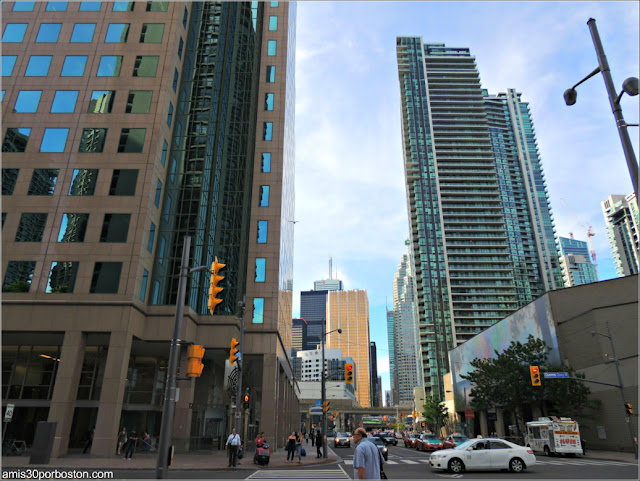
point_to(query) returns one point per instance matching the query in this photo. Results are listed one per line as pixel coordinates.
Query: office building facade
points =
(373, 373)
(621, 217)
(298, 335)
(313, 308)
(128, 126)
(391, 338)
(576, 266)
(481, 229)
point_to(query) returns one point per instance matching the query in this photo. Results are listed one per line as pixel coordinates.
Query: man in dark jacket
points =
(319, 443)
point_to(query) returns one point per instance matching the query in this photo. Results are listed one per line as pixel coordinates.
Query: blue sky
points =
(350, 193)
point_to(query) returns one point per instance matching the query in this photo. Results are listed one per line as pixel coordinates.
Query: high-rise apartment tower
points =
(576, 265)
(621, 216)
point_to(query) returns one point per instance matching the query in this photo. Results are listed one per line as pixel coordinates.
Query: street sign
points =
(8, 414)
(469, 414)
(237, 415)
(318, 402)
(555, 374)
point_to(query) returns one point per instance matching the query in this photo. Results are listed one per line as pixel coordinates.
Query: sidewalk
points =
(191, 461)
(609, 456)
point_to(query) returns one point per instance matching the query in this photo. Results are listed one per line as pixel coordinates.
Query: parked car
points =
(410, 440)
(342, 439)
(382, 447)
(487, 453)
(428, 442)
(453, 440)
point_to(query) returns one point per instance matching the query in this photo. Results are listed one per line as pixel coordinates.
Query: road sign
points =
(555, 374)
(8, 414)
(318, 402)
(469, 414)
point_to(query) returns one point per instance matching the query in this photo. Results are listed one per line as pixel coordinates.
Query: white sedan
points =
(484, 453)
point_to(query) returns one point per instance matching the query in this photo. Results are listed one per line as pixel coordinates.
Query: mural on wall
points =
(535, 318)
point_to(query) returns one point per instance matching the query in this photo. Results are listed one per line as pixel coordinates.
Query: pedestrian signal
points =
(348, 373)
(535, 376)
(232, 354)
(214, 290)
(195, 354)
(245, 401)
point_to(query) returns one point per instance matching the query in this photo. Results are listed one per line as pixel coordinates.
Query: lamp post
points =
(621, 386)
(630, 86)
(323, 386)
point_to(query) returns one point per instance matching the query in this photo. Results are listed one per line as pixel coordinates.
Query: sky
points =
(350, 190)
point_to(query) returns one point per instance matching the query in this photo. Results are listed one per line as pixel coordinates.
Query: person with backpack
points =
(233, 444)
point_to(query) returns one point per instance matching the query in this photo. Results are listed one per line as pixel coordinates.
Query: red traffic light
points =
(534, 369)
(246, 398)
(349, 367)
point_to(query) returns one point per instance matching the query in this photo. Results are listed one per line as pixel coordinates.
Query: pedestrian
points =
(298, 448)
(319, 443)
(291, 445)
(146, 442)
(583, 442)
(90, 435)
(367, 460)
(259, 440)
(312, 435)
(122, 439)
(233, 443)
(130, 447)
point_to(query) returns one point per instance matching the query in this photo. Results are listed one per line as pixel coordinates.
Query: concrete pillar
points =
(537, 413)
(110, 410)
(268, 409)
(65, 389)
(484, 424)
(183, 412)
(500, 429)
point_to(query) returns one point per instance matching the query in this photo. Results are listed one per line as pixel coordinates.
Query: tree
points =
(505, 382)
(17, 286)
(435, 414)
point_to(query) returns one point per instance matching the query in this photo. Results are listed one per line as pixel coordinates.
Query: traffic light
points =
(214, 290)
(332, 418)
(232, 354)
(325, 406)
(403, 415)
(195, 354)
(335, 413)
(629, 408)
(535, 376)
(245, 401)
(348, 373)
(384, 418)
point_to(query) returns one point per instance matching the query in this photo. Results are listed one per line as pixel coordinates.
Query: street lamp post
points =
(323, 386)
(630, 86)
(621, 386)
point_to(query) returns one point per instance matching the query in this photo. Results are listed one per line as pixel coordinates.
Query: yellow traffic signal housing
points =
(629, 408)
(214, 290)
(535, 376)
(325, 406)
(232, 354)
(348, 373)
(195, 354)
(335, 413)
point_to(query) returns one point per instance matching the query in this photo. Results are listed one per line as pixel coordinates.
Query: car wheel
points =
(516, 465)
(456, 466)
(547, 451)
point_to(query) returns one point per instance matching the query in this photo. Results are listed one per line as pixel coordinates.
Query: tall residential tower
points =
(621, 216)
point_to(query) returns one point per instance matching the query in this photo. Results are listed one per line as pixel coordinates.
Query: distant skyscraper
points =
(349, 311)
(407, 343)
(480, 220)
(373, 373)
(621, 216)
(391, 337)
(313, 309)
(328, 285)
(299, 335)
(574, 260)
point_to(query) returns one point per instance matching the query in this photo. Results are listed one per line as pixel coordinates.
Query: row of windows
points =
(75, 66)
(84, 33)
(21, 6)
(55, 140)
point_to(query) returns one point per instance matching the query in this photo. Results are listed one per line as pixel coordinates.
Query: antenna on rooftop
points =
(330, 268)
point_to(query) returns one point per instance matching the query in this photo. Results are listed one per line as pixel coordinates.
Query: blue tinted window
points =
(170, 114)
(261, 263)
(8, 62)
(266, 162)
(38, 66)
(271, 73)
(74, 66)
(54, 140)
(175, 80)
(123, 6)
(143, 287)
(27, 101)
(273, 23)
(156, 201)
(109, 66)
(83, 32)
(101, 101)
(49, 32)
(180, 46)
(258, 311)
(167, 208)
(64, 102)
(23, 6)
(267, 131)
(268, 101)
(274, 4)
(271, 48)
(185, 16)
(90, 6)
(14, 32)
(56, 6)
(161, 249)
(117, 33)
(263, 226)
(264, 196)
(152, 235)
(2, 95)
(163, 159)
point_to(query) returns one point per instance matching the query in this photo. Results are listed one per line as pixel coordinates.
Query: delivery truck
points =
(552, 435)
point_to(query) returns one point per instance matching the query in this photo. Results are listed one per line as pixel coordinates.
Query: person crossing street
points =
(232, 444)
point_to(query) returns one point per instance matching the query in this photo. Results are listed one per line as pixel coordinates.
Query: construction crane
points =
(590, 233)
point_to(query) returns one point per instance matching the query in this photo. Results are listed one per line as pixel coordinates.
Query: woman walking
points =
(122, 438)
(291, 446)
(298, 448)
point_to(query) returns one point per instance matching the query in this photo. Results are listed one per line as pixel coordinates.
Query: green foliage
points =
(435, 414)
(400, 427)
(60, 289)
(17, 286)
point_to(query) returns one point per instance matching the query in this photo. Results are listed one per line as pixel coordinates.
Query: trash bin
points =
(43, 442)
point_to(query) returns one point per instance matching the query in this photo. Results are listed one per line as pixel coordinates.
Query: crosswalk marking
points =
(579, 462)
(300, 474)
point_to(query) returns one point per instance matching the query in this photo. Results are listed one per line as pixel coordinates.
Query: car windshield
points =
(464, 445)
(414, 436)
(460, 439)
(431, 439)
(377, 441)
(342, 435)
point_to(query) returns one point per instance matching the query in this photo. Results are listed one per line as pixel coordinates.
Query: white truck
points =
(552, 435)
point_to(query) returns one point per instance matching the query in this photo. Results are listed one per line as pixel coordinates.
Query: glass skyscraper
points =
(481, 229)
(621, 216)
(576, 267)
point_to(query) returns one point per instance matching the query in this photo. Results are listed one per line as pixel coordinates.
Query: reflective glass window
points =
(263, 227)
(117, 33)
(271, 73)
(265, 166)
(261, 264)
(38, 66)
(268, 101)
(74, 66)
(23, 6)
(167, 208)
(185, 17)
(31, 227)
(2, 92)
(14, 32)
(110, 66)
(151, 32)
(90, 6)
(138, 102)
(92, 140)
(264, 196)
(115, 228)
(83, 32)
(49, 32)
(62, 277)
(143, 287)
(161, 248)
(18, 276)
(15, 139)
(170, 114)
(156, 200)
(73, 227)
(101, 101)
(27, 101)
(274, 4)
(180, 46)
(106, 277)
(157, 6)
(271, 47)
(64, 101)
(123, 182)
(56, 6)
(43, 182)
(131, 140)
(8, 62)
(267, 131)
(152, 234)
(145, 66)
(9, 180)
(54, 140)
(83, 182)
(273, 23)
(123, 6)
(165, 148)
(175, 80)
(258, 310)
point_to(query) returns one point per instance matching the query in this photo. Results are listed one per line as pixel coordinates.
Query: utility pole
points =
(323, 388)
(239, 363)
